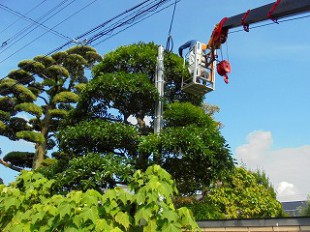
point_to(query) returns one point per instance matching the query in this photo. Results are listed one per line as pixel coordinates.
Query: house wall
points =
(257, 225)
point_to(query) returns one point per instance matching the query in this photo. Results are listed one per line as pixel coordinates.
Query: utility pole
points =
(159, 83)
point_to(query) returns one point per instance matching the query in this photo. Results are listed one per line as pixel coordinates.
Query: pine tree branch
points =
(46, 102)
(8, 165)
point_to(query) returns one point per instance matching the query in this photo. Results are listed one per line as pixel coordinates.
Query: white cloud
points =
(287, 168)
(285, 190)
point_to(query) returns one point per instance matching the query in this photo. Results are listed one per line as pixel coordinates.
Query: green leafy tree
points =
(190, 146)
(243, 194)
(43, 89)
(305, 209)
(28, 205)
(1, 181)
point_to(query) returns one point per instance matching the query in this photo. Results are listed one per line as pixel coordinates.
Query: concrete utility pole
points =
(159, 83)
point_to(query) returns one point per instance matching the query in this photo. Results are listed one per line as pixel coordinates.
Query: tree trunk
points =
(41, 148)
(39, 156)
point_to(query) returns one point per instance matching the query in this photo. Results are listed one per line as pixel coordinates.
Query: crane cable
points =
(169, 43)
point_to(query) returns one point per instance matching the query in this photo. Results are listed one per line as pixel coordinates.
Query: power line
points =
(137, 14)
(134, 16)
(110, 20)
(21, 33)
(33, 21)
(67, 43)
(32, 9)
(146, 17)
(169, 43)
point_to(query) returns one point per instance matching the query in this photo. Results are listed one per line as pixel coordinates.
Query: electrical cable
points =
(110, 20)
(128, 21)
(25, 29)
(156, 7)
(33, 21)
(32, 9)
(98, 27)
(169, 43)
(146, 17)
(66, 44)
(20, 33)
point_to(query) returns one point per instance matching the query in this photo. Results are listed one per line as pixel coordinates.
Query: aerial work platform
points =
(201, 67)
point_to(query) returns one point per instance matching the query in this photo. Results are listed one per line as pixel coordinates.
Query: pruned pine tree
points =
(37, 96)
(190, 146)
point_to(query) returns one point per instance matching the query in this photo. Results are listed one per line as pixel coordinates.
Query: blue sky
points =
(264, 108)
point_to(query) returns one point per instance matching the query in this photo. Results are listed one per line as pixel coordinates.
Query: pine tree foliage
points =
(37, 96)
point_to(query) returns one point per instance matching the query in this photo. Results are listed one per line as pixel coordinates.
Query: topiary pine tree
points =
(45, 89)
(190, 146)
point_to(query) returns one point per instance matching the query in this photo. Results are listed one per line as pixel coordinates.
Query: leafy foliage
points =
(98, 136)
(190, 146)
(141, 58)
(88, 172)
(240, 195)
(20, 159)
(146, 207)
(305, 209)
(130, 94)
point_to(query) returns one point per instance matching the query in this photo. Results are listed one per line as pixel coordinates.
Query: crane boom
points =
(285, 8)
(207, 60)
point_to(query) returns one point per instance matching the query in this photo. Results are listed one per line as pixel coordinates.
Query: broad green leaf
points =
(116, 230)
(65, 209)
(143, 213)
(12, 201)
(172, 227)
(102, 225)
(123, 219)
(170, 215)
(151, 226)
(89, 214)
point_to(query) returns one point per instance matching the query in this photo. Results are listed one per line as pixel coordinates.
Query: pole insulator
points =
(273, 8)
(243, 23)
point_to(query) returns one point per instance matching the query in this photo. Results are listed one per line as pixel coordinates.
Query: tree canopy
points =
(243, 194)
(305, 209)
(37, 96)
(28, 205)
(105, 135)
(190, 146)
